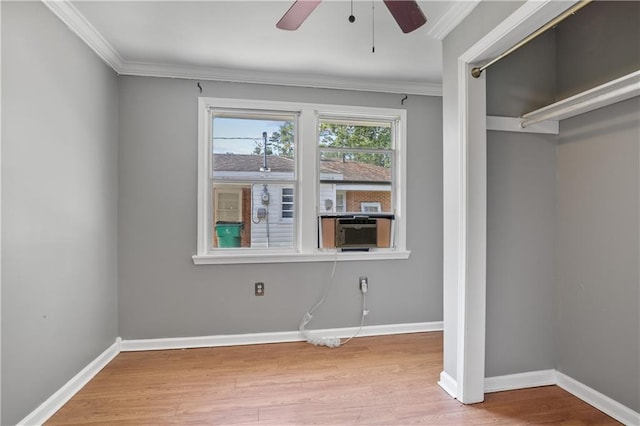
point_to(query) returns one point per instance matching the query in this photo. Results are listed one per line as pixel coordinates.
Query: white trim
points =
(276, 337)
(609, 93)
(529, 379)
(514, 124)
(581, 391)
(449, 384)
(72, 18)
(454, 15)
(279, 78)
(67, 391)
(529, 17)
(492, 384)
(468, 194)
(0, 219)
(600, 401)
(256, 256)
(462, 234)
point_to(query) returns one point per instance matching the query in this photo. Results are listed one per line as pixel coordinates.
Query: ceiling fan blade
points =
(297, 13)
(407, 14)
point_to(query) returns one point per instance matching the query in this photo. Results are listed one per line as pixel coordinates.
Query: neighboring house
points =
(264, 204)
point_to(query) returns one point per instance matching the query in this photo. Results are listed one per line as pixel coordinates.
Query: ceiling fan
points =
(407, 14)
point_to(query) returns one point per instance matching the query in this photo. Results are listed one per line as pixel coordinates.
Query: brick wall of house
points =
(354, 198)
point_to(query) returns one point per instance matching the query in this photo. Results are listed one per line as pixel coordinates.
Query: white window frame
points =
(307, 183)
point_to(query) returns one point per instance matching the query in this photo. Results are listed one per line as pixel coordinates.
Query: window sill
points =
(293, 257)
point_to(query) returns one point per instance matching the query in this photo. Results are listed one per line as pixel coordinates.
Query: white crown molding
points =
(279, 79)
(276, 337)
(73, 19)
(452, 17)
(48, 408)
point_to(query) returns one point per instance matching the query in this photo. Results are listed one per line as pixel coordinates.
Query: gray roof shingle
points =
(350, 170)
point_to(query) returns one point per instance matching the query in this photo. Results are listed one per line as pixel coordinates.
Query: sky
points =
(240, 128)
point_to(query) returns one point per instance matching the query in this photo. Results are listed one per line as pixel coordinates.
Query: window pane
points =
(355, 134)
(346, 186)
(249, 216)
(239, 144)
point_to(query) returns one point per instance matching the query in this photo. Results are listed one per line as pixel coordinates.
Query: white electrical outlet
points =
(364, 284)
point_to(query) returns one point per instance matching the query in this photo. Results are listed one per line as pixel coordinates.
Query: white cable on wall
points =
(330, 342)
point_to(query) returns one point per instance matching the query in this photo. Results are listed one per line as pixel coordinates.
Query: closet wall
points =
(563, 229)
(598, 159)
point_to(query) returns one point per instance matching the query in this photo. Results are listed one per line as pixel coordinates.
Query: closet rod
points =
(477, 71)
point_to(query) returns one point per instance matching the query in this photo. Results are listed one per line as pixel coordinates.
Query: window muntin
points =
(252, 167)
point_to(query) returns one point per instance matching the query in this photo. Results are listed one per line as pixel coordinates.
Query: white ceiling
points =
(238, 41)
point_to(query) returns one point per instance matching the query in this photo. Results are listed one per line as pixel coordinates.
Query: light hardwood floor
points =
(388, 380)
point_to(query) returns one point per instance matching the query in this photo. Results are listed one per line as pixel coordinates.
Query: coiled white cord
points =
(330, 342)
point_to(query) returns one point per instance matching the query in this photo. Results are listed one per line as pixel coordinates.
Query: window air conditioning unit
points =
(356, 232)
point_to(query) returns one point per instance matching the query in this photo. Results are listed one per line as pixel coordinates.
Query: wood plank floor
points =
(387, 380)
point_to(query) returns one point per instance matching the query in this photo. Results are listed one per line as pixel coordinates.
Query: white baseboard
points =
(449, 384)
(492, 384)
(68, 390)
(277, 337)
(530, 379)
(602, 402)
(591, 396)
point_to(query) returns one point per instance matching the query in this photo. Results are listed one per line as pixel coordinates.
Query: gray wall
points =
(521, 202)
(163, 294)
(520, 253)
(598, 324)
(598, 294)
(59, 196)
(598, 44)
(563, 217)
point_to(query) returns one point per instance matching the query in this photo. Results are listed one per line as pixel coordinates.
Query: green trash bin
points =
(228, 233)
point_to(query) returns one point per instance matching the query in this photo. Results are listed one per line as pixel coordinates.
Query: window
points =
(252, 172)
(370, 207)
(287, 203)
(340, 197)
(267, 171)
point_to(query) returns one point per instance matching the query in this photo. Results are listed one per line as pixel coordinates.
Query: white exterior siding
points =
(327, 192)
(280, 231)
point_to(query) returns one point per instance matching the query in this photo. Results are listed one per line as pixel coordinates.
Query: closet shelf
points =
(606, 94)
